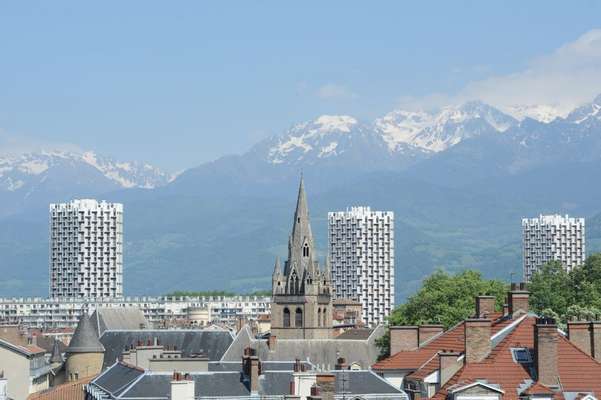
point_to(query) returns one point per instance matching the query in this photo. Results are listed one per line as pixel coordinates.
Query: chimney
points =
(449, 365)
(403, 338)
(341, 364)
(546, 337)
(326, 384)
(518, 298)
(505, 309)
(580, 334)
(477, 339)
(271, 342)
(596, 340)
(251, 367)
(182, 387)
(485, 305)
(426, 332)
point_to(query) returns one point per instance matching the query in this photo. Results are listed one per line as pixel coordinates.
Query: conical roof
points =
(300, 245)
(277, 269)
(56, 356)
(84, 339)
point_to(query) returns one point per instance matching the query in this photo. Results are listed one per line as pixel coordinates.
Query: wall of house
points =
(16, 371)
(395, 378)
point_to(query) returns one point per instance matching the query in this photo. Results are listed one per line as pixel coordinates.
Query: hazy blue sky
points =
(179, 83)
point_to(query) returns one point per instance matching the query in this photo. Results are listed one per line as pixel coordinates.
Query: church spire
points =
(300, 247)
(277, 270)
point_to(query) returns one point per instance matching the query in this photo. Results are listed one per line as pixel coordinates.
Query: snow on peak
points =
(319, 134)
(540, 112)
(438, 130)
(335, 123)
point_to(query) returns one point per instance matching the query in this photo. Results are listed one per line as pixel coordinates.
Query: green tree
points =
(444, 299)
(551, 289)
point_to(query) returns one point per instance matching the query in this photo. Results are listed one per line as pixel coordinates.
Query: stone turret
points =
(85, 353)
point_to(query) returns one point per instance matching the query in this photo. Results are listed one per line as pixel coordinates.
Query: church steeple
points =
(300, 246)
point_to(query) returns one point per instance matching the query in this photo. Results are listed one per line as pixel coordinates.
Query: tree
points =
(551, 289)
(447, 299)
(444, 299)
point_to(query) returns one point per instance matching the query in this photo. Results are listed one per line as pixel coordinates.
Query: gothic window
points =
(286, 317)
(324, 316)
(319, 317)
(306, 250)
(298, 318)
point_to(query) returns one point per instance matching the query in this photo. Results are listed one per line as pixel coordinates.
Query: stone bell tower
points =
(302, 305)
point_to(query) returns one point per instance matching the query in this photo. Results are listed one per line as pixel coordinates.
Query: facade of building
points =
(86, 249)
(552, 238)
(25, 369)
(361, 252)
(65, 312)
(302, 303)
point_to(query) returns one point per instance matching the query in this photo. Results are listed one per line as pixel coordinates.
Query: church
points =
(302, 305)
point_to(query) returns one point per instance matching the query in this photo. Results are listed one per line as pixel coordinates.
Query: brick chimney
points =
(596, 340)
(426, 332)
(272, 342)
(477, 339)
(546, 337)
(517, 298)
(182, 387)
(580, 334)
(449, 365)
(403, 338)
(341, 364)
(326, 384)
(251, 368)
(485, 305)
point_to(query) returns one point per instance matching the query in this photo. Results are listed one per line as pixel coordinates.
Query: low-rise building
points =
(25, 368)
(65, 312)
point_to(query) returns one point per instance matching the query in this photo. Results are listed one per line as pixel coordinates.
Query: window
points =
(521, 355)
(286, 317)
(306, 250)
(319, 317)
(298, 318)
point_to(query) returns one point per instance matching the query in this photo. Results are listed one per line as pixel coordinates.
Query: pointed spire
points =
(56, 356)
(84, 339)
(277, 270)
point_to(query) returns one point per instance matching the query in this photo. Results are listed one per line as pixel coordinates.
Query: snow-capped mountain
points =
(538, 112)
(437, 131)
(21, 172)
(586, 111)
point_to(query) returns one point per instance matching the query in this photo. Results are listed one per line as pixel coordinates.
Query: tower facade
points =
(86, 249)
(302, 306)
(552, 238)
(361, 250)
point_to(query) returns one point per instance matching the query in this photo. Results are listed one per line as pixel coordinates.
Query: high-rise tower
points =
(301, 306)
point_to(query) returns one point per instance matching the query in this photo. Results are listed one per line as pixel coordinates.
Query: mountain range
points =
(458, 178)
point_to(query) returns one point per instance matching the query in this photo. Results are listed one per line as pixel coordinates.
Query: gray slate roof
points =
(84, 339)
(355, 334)
(320, 352)
(129, 318)
(211, 342)
(126, 382)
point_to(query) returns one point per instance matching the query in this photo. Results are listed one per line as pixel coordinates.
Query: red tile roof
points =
(538, 388)
(66, 391)
(452, 339)
(577, 371)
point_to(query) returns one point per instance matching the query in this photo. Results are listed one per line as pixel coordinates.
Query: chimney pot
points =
(517, 298)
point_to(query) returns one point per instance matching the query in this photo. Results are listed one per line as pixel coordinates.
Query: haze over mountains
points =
(458, 179)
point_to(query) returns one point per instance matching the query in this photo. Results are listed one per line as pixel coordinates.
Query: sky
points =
(176, 84)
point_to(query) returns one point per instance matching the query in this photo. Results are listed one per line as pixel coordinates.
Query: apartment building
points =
(361, 251)
(86, 249)
(65, 312)
(552, 237)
